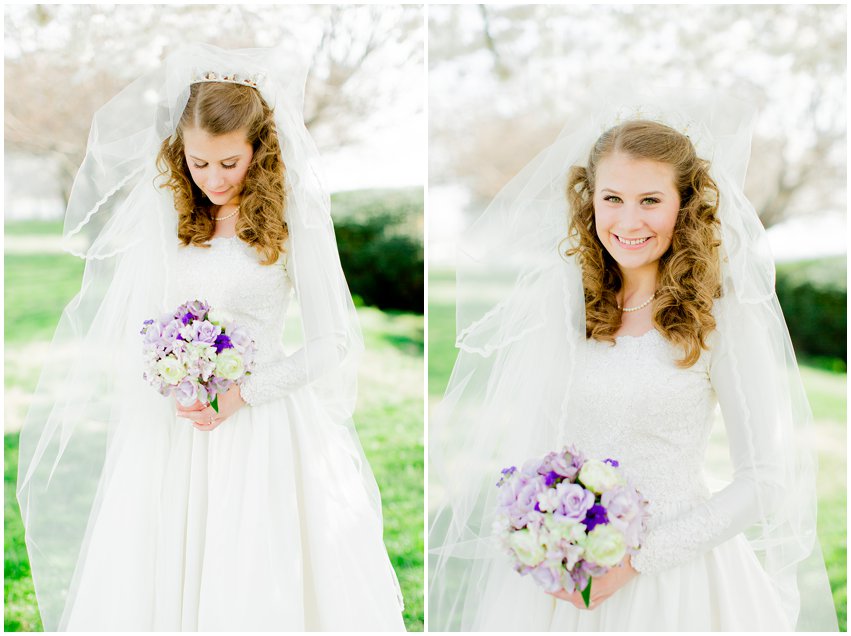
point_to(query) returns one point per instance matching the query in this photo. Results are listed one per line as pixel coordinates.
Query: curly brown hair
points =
(219, 108)
(689, 277)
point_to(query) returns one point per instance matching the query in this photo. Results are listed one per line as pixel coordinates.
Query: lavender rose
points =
(558, 464)
(206, 332)
(239, 338)
(186, 392)
(547, 577)
(623, 507)
(574, 501)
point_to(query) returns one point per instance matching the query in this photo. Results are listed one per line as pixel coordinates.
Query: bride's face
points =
(635, 209)
(218, 164)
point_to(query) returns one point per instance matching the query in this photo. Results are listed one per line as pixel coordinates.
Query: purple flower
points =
(551, 477)
(152, 337)
(506, 475)
(239, 337)
(186, 392)
(574, 501)
(216, 386)
(527, 494)
(146, 325)
(222, 342)
(580, 577)
(205, 331)
(592, 569)
(530, 468)
(559, 463)
(577, 459)
(611, 462)
(171, 331)
(595, 516)
(623, 506)
(199, 308)
(244, 345)
(519, 502)
(195, 309)
(547, 577)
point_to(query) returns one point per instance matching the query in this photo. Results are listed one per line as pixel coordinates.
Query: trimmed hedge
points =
(380, 240)
(813, 297)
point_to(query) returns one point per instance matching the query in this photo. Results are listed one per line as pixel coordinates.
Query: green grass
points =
(388, 420)
(826, 391)
(20, 608)
(33, 228)
(37, 287)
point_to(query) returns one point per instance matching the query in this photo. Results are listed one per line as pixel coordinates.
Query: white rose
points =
(598, 477)
(527, 546)
(605, 546)
(219, 317)
(229, 365)
(171, 370)
(565, 528)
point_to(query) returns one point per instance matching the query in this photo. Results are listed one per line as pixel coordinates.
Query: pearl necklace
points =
(227, 216)
(642, 305)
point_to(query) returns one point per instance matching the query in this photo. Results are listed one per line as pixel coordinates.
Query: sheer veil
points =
(521, 335)
(90, 397)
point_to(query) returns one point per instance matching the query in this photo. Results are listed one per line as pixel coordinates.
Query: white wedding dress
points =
(263, 524)
(697, 571)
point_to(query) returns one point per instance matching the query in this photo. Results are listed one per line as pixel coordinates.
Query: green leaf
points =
(215, 404)
(586, 593)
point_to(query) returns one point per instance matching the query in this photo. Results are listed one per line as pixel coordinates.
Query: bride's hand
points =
(204, 416)
(602, 587)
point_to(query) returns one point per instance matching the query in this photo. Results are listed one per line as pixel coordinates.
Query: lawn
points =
(388, 418)
(826, 391)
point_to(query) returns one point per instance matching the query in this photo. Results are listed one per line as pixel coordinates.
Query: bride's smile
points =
(635, 209)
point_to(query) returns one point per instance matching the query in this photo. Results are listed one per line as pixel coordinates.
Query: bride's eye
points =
(228, 166)
(652, 200)
(197, 166)
(612, 198)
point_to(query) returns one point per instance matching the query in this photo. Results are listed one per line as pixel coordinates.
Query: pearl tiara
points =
(234, 78)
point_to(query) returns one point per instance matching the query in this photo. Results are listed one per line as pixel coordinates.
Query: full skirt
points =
(263, 524)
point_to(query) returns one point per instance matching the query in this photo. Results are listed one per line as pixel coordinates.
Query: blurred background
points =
(503, 81)
(364, 106)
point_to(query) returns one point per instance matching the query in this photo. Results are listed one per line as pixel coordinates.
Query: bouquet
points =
(565, 519)
(195, 353)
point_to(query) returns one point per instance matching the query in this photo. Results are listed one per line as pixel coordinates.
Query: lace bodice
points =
(631, 402)
(229, 276)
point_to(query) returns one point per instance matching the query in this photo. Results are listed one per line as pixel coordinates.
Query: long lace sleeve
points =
(274, 380)
(287, 373)
(746, 386)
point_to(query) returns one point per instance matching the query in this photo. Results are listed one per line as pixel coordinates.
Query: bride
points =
(612, 294)
(200, 183)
